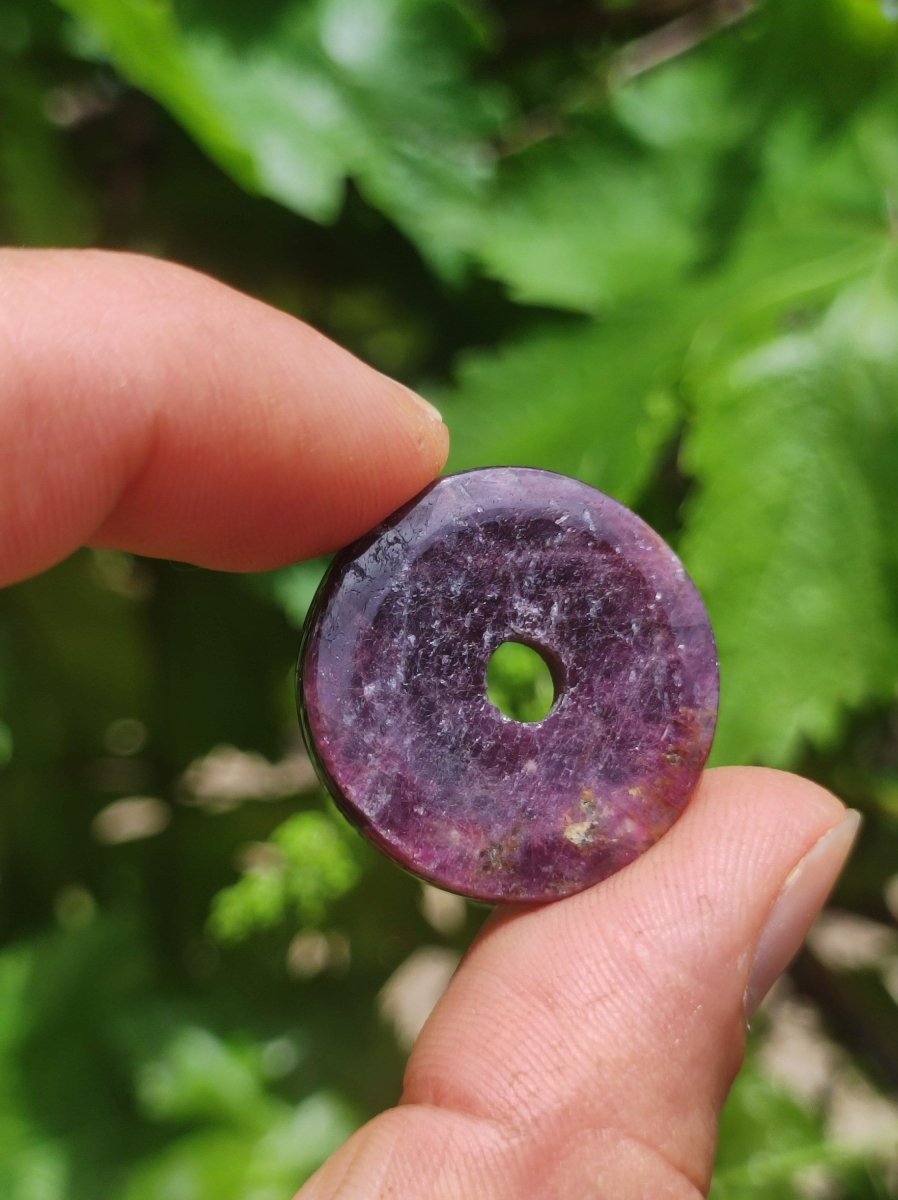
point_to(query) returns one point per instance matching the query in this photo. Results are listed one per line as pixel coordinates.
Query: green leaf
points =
(144, 39)
(519, 682)
(766, 1140)
(582, 222)
(212, 1162)
(311, 864)
(791, 533)
(588, 399)
(643, 189)
(33, 1166)
(201, 1077)
(292, 99)
(234, 1164)
(614, 204)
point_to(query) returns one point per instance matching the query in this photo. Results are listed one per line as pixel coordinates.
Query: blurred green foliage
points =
(654, 254)
(519, 682)
(309, 865)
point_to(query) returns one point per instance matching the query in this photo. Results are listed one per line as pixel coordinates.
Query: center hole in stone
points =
(519, 682)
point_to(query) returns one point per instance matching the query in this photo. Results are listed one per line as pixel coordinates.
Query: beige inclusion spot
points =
(580, 832)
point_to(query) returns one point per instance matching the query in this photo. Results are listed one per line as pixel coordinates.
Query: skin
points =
(583, 1049)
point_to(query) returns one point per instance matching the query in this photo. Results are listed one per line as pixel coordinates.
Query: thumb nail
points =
(802, 896)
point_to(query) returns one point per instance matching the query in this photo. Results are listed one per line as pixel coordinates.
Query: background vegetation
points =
(651, 244)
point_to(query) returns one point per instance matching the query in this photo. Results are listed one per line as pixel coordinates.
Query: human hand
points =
(584, 1048)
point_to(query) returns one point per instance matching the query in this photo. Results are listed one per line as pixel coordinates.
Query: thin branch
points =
(676, 38)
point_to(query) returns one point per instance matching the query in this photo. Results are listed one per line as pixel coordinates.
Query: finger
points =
(585, 1048)
(144, 406)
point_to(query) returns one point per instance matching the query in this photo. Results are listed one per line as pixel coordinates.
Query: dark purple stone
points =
(392, 685)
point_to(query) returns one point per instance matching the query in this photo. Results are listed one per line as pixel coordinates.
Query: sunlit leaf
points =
(292, 99)
(200, 1077)
(791, 534)
(569, 220)
(311, 863)
(587, 399)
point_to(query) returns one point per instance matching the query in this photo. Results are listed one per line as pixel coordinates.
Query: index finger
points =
(146, 407)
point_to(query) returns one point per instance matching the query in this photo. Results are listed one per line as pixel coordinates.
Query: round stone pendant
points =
(393, 694)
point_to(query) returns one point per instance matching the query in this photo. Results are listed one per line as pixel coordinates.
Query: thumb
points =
(585, 1048)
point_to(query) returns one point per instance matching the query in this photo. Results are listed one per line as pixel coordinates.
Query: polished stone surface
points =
(392, 685)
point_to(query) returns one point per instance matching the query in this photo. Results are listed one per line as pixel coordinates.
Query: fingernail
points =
(802, 896)
(432, 413)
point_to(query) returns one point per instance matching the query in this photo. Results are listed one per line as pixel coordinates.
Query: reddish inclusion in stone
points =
(392, 685)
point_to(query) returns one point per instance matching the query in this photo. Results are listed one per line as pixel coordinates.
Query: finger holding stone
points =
(622, 1008)
(147, 407)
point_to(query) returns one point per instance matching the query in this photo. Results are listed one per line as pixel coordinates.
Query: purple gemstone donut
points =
(393, 699)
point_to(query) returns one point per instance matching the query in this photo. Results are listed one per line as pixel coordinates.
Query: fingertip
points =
(746, 785)
(659, 956)
(422, 426)
(714, 876)
(209, 427)
(802, 896)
